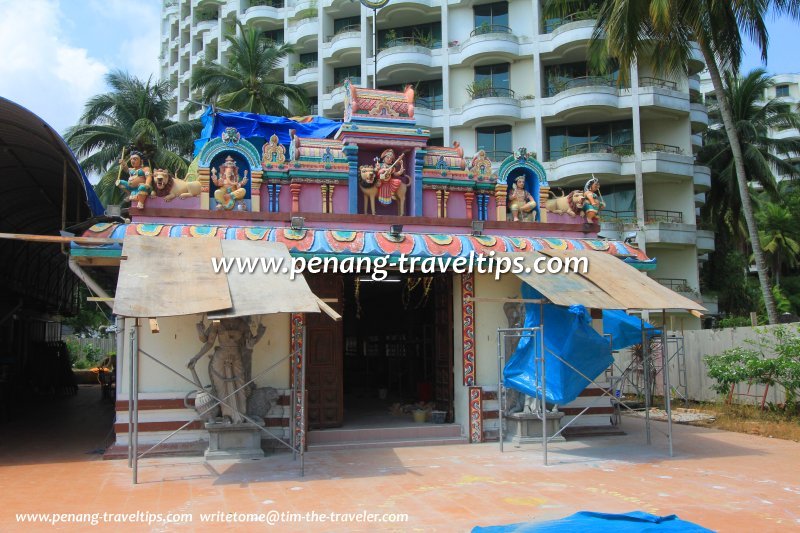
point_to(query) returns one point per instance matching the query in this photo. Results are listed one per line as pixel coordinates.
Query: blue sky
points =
(56, 52)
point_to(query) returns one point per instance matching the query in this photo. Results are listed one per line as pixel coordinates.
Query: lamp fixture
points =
(395, 230)
(298, 222)
(477, 228)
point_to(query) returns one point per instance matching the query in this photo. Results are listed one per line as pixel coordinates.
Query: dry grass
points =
(751, 420)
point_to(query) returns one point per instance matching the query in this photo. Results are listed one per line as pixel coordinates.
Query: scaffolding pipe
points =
(303, 405)
(544, 381)
(646, 370)
(501, 363)
(135, 393)
(130, 398)
(665, 370)
(91, 283)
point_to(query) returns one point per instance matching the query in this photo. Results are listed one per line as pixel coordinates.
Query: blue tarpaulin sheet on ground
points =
(568, 334)
(263, 126)
(625, 330)
(635, 522)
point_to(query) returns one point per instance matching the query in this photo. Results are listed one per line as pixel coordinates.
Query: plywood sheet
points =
(260, 292)
(169, 277)
(627, 285)
(564, 289)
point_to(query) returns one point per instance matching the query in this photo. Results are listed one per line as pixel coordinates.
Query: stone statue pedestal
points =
(525, 428)
(233, 441)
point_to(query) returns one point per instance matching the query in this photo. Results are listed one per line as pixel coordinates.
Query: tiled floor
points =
(724, 481)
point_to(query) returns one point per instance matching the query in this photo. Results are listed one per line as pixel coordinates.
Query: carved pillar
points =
(468, 327)
(445, 197)
(419, 161)
(500, 197)
(323, 189)
(475, 414)
(255, 190)
(351, 151)
(330, 198)
(295, 189)
(204, 177)
(439, 193)
(544, 193)
(469, 197)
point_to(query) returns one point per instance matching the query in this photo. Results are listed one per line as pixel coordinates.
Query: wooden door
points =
(324, 357)
(443, 342)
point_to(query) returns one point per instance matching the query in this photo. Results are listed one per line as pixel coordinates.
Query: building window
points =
(559, 78)
(276, 36)
(491, 18)
(610, 138)
(491, 80)
(495, 140)
(308, 59)
(342, 73)
(621, 200)
(346, 24)
(436, 141)
(781, 91)
(425, 35)
(428, 94)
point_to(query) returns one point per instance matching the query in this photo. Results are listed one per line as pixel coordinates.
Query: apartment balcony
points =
(566, 38)
(409, 7)
(305, 74)
(345, 42)
(701, 178)
(697, 63)
(705, 241)
(486, 43)
(302, 10)
(666, 160)
(265, 12)
(664, 94)
(429, 112)
(698, 116)
(582, 160)
(694, 84)
(206, 26)
(408, 55)
(487, 104)
(671, 234)
(700, 199)
(303, 30)
(334, 94)
(578, 94)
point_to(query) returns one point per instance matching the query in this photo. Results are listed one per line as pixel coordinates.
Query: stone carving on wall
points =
(230, 185)
(139, 184)
(521, 202)
(169, 187)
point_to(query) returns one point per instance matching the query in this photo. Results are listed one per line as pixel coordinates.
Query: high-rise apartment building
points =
(493, 76)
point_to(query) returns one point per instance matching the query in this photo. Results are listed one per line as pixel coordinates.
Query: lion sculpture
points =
(571, 204)
(169, 187)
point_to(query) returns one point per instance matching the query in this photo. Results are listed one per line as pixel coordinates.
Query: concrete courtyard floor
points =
(723, 481)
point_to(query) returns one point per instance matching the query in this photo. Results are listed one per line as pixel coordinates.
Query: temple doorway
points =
(391, 353)
(397, 348)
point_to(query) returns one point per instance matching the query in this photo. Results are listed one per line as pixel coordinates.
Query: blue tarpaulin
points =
(251, 125)
(568, 333)
(635, 522)
(625, 330)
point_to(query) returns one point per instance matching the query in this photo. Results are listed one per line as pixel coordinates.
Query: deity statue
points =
(593, 200)
(390, 171)
(229, 365)
(521, 202)
(230, 187)
(139, 184)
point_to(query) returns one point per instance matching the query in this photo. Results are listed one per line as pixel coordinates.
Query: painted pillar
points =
(255, 190)
(295, 188)
(204, 177)
(419, 160)
(500, 196)
(469, 197)
(351, 151)
(544, 193)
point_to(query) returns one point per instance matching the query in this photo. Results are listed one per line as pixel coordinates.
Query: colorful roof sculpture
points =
(326, 242)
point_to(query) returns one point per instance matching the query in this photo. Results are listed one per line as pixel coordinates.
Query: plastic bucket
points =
(419, 416)
(438, 417)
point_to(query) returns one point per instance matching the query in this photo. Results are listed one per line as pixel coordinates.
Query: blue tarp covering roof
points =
(625, 330)
(634, 522)
(568, 333)
(252, 125)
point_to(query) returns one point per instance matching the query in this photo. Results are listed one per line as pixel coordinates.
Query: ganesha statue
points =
(230, 186)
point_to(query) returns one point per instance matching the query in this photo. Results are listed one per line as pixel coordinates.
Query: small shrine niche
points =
(229, 168)
(526, 186)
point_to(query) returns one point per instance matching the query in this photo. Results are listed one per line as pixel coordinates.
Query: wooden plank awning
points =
(173, 277)
(608, 284)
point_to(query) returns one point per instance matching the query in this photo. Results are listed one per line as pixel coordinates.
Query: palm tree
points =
(249, 81)
(779, 237)
(753, 120)
(133, 115)
(664, 33)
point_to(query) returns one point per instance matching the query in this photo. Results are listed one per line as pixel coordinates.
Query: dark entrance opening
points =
(392, 349)
(396, 349)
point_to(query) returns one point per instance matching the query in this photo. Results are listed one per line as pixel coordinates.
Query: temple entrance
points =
(391, 353)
